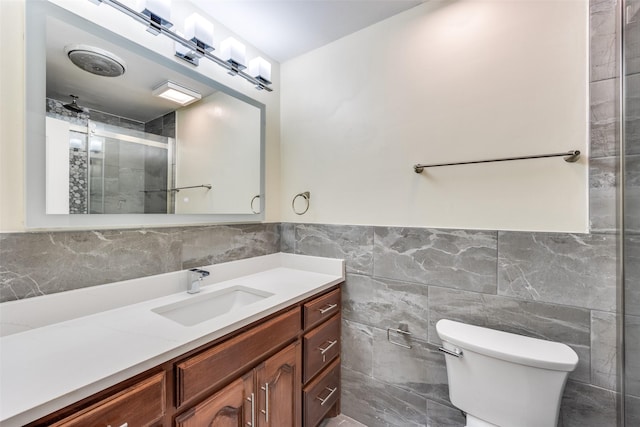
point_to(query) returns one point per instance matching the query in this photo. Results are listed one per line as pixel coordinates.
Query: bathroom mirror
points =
(107, 150)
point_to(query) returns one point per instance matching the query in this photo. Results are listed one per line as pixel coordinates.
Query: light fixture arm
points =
(141, 17)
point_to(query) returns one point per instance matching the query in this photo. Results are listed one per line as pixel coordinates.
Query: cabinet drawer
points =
(321, 394)
(139, 405)
(321, 346)
(321, 308)
(207, 370)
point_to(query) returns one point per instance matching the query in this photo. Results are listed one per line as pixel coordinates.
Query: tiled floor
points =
(342, 421)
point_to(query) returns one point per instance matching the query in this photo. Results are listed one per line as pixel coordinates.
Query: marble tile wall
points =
(604, 121)
(78, 177)
(33, 264)
(55, 108)
(555, 286)
(163, 125)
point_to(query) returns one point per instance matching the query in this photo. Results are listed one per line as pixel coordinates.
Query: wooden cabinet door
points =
(229, 407)
(279, 389)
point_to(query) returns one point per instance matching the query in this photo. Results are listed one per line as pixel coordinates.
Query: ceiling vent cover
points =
(95, 60)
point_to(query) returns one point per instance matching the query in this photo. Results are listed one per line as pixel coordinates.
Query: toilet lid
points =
(507, 346)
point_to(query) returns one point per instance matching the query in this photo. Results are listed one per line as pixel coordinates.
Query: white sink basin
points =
(203, 307)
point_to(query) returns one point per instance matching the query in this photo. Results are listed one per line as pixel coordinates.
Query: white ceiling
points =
(284, 29)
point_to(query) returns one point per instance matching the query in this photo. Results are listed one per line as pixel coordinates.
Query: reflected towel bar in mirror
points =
(177, 189)
(569, 156)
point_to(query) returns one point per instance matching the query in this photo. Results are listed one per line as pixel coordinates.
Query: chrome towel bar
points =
(570, 156)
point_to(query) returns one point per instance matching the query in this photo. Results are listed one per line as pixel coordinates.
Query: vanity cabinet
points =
(268, 395)
(206, 371)
(280, 372)
(139, 405)
(321, 357)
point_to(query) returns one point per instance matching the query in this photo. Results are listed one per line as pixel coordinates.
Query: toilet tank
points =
(505, 379)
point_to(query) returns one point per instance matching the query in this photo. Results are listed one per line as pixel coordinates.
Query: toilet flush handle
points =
(457, 352)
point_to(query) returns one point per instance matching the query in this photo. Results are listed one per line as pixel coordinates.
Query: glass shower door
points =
(130, 172)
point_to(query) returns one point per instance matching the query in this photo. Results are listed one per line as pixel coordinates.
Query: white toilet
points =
(502, 379)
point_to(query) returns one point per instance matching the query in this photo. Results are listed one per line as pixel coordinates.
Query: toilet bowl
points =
(501, 379)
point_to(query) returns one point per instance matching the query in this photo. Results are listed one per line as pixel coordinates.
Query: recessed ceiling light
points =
(176, 93)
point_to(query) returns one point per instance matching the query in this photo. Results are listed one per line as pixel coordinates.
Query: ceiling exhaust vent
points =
(95, 60)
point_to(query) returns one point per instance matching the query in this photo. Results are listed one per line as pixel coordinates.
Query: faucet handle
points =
(201, 273)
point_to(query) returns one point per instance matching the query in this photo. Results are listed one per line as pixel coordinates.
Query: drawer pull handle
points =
(327, 308)
(123, 425)
(326, 399)
(266, 402)
(253, 410)
(331, 344)
(324, 350)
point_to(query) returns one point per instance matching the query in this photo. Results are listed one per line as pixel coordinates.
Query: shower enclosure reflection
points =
(123, 167)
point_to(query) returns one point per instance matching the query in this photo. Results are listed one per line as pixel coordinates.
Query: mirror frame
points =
(35, 143)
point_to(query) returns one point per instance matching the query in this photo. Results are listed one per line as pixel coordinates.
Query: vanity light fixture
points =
(200, 31)
(155, 14)
(159, 13)
(176, 93)
(235, 53)
(260, 69)
(186, 53)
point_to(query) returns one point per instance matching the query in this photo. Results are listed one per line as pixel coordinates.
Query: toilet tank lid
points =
(510, 347)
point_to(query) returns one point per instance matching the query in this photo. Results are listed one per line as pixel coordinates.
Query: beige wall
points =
(12, 98)
(445, 81)
(11, 115)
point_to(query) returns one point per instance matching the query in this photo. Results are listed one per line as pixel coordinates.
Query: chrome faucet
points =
(195, 277)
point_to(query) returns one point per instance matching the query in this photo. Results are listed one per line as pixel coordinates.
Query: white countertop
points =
(58, 349)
